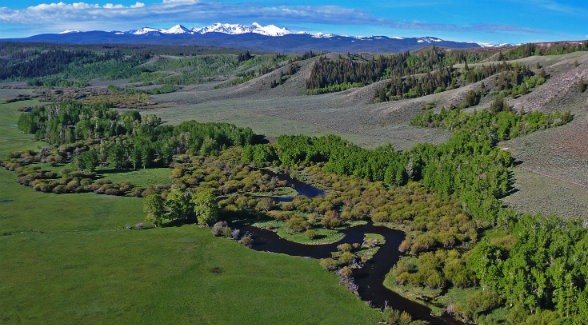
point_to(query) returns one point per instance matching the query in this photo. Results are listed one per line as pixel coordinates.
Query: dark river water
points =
(300, 187)
(369, 278)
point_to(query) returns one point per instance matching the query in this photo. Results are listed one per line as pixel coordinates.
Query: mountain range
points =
(251, 37)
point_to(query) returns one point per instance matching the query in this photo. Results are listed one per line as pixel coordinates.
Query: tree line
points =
(90, 136)
(507, 77)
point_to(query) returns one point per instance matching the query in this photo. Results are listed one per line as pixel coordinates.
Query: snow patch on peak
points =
(221, 28)
(486, 44)
(429, 40)
(321, 35)
(270, 30)
(70, 31)
(177, 29)
(234, 29)
(145, 30)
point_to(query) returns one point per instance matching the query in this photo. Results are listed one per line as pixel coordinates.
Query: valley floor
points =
(69, 259)
(80, 264)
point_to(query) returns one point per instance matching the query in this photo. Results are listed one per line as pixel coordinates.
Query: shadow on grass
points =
(243, 217)
(511, 189)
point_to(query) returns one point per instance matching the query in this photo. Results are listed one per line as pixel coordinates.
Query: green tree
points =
(136, 156)
(116, 156)
(178, 204)
(486, 262)
(154, 205)
(205, 207)
(130, 119)
(87, 161)
(524, 90)
(499, 105)
(147, 156)
(310, 234)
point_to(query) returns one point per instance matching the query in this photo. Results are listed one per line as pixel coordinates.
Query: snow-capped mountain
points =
(235, 29)
(229, 29)
(255, 37)
(145, 30)
(429, 40)
(269, 30)
(177, 29)
(485, 44)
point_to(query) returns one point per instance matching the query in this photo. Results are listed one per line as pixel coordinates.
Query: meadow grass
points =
(30, 210)
(414, 293)
(324, 235)
(12, 139)
(68, 259)
(367, 252)
(164, 276)
(139, 177)
(461, 296)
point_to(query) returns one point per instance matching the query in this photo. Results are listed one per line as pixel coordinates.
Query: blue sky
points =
(514, 21)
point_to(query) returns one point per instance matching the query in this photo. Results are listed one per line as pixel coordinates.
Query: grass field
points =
(414, 293)
(68, 259)
(139, 177)
(324, 235)
(164, 276)
(11, 139)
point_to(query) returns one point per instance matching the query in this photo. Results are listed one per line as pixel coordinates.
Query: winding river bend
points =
(369, 278)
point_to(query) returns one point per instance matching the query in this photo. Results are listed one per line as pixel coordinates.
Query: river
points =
(369, 278)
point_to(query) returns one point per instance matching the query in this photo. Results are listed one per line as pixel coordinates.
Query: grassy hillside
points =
(69, 259)
(548, 157)
(552, 176)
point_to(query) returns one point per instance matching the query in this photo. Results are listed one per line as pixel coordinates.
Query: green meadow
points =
(69, 259)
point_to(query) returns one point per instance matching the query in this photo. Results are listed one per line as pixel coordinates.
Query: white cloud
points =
(111, 6)
(181, 1)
